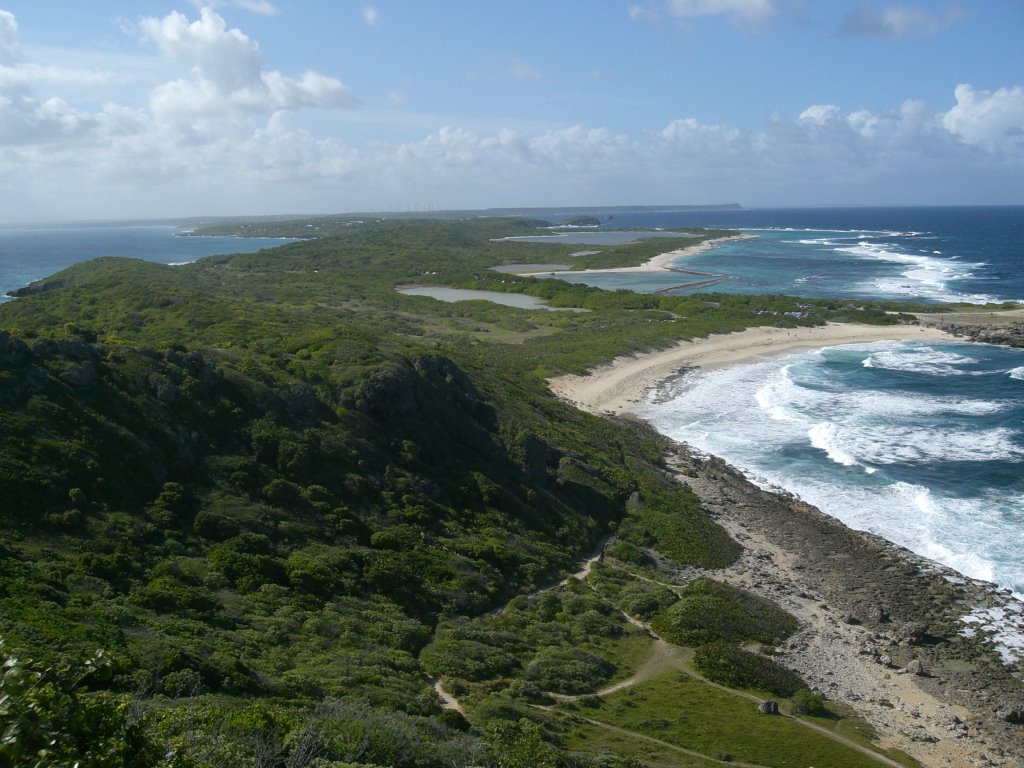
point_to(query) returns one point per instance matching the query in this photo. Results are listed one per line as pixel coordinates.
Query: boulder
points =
(1013, 712)
(913, 632)
(915, 667)
(769, 707)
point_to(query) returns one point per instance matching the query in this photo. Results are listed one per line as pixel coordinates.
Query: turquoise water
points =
(919, 443)
(971, 255)
(922, 443)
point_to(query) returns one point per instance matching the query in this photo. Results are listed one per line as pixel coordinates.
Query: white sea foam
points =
(920, 360)
(925, 276)
(1017, 373)
(828, 437)
(1002, 626)
(772, 419)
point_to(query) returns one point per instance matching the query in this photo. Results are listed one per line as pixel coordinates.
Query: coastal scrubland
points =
(260, 510)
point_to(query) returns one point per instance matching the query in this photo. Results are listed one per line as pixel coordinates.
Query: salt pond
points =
(518, 300)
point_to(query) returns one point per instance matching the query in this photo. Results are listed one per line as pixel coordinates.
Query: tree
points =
(47, 719)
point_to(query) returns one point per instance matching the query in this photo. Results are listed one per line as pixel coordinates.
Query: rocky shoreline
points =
(882, 628)
(1010, 334)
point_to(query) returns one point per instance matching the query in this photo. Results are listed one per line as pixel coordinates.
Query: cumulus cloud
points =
(8, 39)
(898, 21)
(819, 114)
(227, 72)
(224, 133)
(263, 7)
(371, 16)
(24, 119)
(986, 119)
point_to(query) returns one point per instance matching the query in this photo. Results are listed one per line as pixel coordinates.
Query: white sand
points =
(899, 709)
(660, 263)
(618, 386)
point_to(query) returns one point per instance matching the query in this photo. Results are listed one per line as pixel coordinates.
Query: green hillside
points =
(280, 497)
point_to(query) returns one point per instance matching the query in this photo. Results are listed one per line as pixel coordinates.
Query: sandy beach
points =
(855, 595)
(618, 386)
(661, 263)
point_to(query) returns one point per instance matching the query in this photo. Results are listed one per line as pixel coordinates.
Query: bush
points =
(48, 720)
(730, 665)
(569, 671)
(806, 702)
(710, 611)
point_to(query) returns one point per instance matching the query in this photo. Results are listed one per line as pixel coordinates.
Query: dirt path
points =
(665, 655)
(447, 700)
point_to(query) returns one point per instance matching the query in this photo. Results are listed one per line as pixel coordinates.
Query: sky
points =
(174, 108)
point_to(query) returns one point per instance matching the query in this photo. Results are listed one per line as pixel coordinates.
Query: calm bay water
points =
(31, 253)
(971, 255)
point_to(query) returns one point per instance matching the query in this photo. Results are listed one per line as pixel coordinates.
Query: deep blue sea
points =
(31, 253)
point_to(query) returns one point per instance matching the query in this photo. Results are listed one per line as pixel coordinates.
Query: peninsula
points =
(265, 507)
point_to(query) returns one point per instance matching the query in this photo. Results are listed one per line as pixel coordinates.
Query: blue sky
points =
(141, 109)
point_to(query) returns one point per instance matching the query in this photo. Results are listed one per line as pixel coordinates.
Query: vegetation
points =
(710, 611)
(280, 496)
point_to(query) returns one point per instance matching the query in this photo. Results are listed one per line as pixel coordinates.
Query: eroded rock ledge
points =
(882, 627)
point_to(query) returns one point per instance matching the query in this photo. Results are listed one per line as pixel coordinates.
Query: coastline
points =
(661, 263)
(618, 386)
(881, 627)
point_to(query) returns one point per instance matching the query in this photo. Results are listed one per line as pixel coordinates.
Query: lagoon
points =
(518, 300)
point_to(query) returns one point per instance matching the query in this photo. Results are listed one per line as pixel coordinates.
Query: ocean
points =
(32, 252)
(973, 255)
(920, 443)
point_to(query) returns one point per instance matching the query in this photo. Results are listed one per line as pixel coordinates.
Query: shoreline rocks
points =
(882, 628)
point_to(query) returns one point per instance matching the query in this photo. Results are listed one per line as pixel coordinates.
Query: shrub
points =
(569, 671)
(47, 719)
(709, 611)
(806, 702)
(730, 665)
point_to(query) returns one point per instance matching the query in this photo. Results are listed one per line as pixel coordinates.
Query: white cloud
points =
(371, 16)
(751, 12)
(226, 58)
(263, 7)
(522, 71)
(993, 121)
(8, 39)
(223, 134)
(25, 74)
(898, 21)
(819, 114)
(228, 75)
